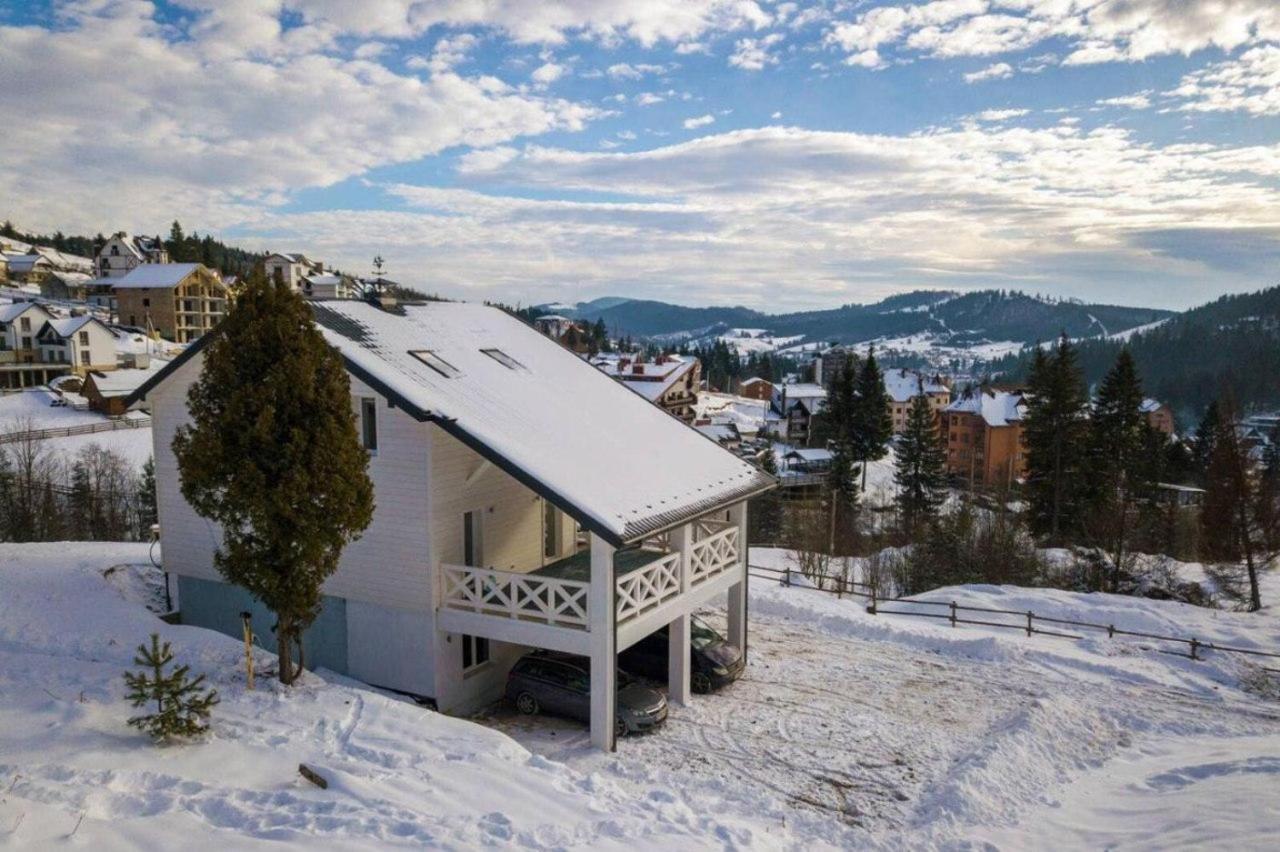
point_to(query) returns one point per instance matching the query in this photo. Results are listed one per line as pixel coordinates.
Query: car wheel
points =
(619, 727)
(700, 682)
(527, 704)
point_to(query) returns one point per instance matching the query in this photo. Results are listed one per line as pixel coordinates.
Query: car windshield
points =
(701, 636)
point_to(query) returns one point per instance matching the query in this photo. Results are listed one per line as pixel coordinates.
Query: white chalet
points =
(83, 342)
(123, 252)
(491, 447)
(291, 268)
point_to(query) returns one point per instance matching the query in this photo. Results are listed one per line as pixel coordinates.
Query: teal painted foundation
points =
(217, 606)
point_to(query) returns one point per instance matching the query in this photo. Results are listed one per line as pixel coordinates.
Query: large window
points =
(475, 651)
(369, 423)
(471, 544)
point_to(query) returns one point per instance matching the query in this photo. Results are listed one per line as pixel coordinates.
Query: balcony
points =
(551, 607)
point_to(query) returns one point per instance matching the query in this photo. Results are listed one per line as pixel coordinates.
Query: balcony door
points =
(472, 543)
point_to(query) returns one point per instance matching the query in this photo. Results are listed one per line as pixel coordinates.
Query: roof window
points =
(435, 362)
(503, 358)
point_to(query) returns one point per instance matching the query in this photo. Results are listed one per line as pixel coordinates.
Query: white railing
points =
(707, 527)
(713, 555)
(527, 597)
(645, 588)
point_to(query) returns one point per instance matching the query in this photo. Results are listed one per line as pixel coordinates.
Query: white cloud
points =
(776, 115)
(1094, 30)
(1248, 84)
(1141, 100)
(213, 134)
(700, 121)
(630, 71)
(1001, 114)
(547, 73)
(649, 99)
(753, 54)
(998, 71)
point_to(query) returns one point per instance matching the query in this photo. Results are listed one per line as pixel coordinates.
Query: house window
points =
(369, 423)
(25, 324)
(84, 358)
(435, 362)
(471, 549)
(84, 338)
(475, 651)
(503, 358)
(146, 303)
(550, 530)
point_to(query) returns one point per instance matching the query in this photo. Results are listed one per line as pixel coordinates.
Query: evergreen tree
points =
(872, 422)
(1206, 439)
(1231, 530)
(1117, 464)
(1054, 432)
(919, 467)
(273, 456)
(764, 515)
(182, 706)
(147, 515)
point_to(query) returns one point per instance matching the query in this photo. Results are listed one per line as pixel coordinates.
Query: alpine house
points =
(524, 500)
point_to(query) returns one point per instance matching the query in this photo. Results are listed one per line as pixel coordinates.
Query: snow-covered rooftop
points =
(70, 325)
(618, 463)
(126, 381)
(802, 390)
(997, 408)
(8, 313)
(903, 385)
(150, 275)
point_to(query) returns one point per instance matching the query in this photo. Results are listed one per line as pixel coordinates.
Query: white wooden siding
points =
(389, 565)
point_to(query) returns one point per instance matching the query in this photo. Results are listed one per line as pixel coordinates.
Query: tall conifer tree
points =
(873, 424)
(919, 467)
(272, 455)
(1054, 432)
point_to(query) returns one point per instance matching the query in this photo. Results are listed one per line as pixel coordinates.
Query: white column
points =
(737, 602)
(678, 651)
(604, 655)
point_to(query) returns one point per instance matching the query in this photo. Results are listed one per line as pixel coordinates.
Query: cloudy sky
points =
(774, 154)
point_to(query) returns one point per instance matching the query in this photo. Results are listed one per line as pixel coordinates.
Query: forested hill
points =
(988, 315)
(182, 248)
(1231, 343)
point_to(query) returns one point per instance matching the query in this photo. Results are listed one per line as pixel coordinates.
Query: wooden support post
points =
(953, 613)
(738, 591)
(604, 655)
(1030, 615)
(247, 619)
(679, 663)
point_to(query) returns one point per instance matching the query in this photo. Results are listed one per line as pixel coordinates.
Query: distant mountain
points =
(1232, 343)
(955, 319)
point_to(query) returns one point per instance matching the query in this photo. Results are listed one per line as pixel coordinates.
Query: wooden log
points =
(314, 777)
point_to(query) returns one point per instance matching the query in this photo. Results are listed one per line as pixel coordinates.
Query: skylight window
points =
(503, 358)
(435, 362)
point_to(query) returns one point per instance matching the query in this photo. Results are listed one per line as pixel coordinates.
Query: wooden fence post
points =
(787, 578)
(1195, 645)
(953, 613)
(1030, 615)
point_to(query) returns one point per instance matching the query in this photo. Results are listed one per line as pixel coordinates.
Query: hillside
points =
(958, 320)
(1230, 343)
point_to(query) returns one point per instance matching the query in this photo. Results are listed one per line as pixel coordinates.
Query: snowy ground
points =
(847, 730)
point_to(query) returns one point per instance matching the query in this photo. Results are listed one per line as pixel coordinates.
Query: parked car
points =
(715, 661)
(560, 685)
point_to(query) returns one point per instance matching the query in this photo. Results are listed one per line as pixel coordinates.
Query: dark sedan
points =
(560, 685)
(715, 661)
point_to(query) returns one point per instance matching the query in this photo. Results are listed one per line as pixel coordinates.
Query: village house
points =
(179, 301)
(21, 365)
(553, 325)
(291, 268)
(797, 404)
(110, 392)
(490, 447)
(327, 285)
(756, 388)
(982, 433)
(83, 342)
(903, 386)
(124, 252)
(1159, 416)
(62, 286)
(670, 382)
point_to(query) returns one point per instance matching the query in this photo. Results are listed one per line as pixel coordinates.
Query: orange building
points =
(982, 432)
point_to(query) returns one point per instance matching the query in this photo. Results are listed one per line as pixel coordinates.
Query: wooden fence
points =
(82, 429)
(1026, 621)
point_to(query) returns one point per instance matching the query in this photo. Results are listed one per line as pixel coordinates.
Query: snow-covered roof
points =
(802, 390)
(620, 466)
(8, 313)
(153, 275)
(753, 380)
(903, 385)
(20, 263)
(1150, 405)
(720, 431)
(324, 279)
(70, 325)
(126, 381)
(551, 318)
(811, 455)
(997, 408)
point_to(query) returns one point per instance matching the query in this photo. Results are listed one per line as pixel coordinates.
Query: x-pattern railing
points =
(645, 588)
(522, 596)
(713, 555)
